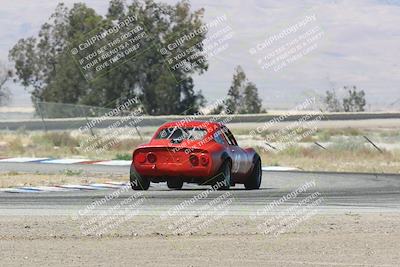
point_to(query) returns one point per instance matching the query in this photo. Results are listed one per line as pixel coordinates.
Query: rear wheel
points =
(138, 182)
(223, 180)
(254, 179)
(174, 184)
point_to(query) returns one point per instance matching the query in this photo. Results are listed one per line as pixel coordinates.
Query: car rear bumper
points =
(166, 170)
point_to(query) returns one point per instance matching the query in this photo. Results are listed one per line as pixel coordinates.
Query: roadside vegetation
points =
(352, 101)
(60, 145)
(340, 159)
(5, 76)
(345, 149)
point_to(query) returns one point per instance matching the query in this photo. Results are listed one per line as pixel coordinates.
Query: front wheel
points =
(138, 182)
(254, 179)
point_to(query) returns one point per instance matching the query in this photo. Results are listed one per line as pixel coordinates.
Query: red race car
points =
(199, 152)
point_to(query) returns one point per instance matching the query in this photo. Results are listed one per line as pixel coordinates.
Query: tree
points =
(217, 110)
(251, 102)
(242, 95)
(45, 63)
(116, 9)
(355, 102)
(234, 99)
(5, 76)
(332, 102)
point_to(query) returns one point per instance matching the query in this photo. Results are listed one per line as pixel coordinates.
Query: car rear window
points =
(182, 133)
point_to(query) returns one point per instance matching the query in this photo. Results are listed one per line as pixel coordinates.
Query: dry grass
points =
(13, 179)
(63, 144)
(347, 151)
(335, 159)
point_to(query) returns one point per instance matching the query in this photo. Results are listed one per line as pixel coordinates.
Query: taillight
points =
(204, 160)
(141, 158)
(151, 158)
(194, 160)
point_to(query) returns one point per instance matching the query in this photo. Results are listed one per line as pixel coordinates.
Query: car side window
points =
(229, 141)
(229, 137)
(218, 137)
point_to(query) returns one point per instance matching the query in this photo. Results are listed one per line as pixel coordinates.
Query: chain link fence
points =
(87, 118)
(49, 110)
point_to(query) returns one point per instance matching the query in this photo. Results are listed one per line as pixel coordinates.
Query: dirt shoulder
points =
(14, 179)
(323, 240)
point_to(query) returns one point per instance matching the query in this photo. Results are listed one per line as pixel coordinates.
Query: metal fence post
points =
(41, 115)
(87, 120)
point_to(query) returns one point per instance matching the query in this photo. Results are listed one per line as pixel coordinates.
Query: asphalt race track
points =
(340, 193)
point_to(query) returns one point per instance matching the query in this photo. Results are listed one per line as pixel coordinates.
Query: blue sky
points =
(360, 46)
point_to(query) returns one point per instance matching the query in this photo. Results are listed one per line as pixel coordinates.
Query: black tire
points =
(138, 182)
(174, 184)
(224, 175)
(254, 180)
